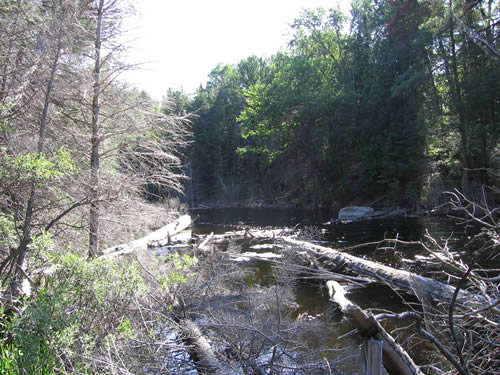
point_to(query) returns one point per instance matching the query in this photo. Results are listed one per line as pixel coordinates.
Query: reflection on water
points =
(275, 217)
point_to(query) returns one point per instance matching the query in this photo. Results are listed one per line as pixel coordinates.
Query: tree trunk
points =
(4, 92)
(94, 157)
(394, 358)
(200, 349)
(396, 278)
(20, 253)
(459, 107)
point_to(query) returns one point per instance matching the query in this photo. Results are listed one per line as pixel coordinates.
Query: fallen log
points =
(250, 256)
(394, 277)
(182, 237)
(157, 236)
(250, 234)
(200, 350)
(394, 358)
(204, 245)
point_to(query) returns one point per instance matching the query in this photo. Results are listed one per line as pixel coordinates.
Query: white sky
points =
(180, 41)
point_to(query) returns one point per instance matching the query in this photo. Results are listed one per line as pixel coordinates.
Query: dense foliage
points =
(400, 100)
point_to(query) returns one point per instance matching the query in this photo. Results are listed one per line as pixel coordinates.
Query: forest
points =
(398, 101)
(395, 103)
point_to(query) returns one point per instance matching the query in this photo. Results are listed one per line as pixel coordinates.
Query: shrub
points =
(75, 315)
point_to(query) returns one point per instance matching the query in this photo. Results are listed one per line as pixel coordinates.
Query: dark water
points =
(219, 218)
(336, 235)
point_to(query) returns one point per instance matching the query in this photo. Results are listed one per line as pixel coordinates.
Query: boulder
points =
(353, 213)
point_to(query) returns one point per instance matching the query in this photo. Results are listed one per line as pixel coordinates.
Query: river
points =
(220, 220)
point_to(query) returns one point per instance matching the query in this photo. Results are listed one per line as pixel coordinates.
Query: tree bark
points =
(394, 358)
(94, 156)
(201, 351)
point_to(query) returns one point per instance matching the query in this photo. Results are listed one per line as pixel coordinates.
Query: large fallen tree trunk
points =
(394, 358)
(160, 235)
(396, 278)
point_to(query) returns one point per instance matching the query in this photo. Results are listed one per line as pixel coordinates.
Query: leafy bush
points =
(84, 317)
(76, 314)
(8, 235)
(180, 269)
(30, 334)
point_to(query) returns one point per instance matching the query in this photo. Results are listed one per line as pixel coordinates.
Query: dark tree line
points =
(400, 100)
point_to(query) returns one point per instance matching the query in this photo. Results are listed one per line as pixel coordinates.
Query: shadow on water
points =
(216, 219)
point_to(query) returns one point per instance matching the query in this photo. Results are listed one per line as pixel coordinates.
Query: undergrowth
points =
(90, 316)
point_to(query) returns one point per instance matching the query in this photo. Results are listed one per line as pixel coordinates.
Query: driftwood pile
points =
(395, 360)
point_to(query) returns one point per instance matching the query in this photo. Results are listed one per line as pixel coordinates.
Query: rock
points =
(353, 213)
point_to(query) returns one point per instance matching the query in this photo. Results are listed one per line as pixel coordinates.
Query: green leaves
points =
(36, 167)
(8, 235)
(358, 109)
(180, 270)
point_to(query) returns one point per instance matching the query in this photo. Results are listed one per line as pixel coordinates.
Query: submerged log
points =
(250, 234)
(394, 358)
(396, 278)
(249, 256)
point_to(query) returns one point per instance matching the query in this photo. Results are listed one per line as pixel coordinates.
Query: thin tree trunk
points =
(94, 157)
(5, 71)
(20, 252)
(459, 106)
(437, 100)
